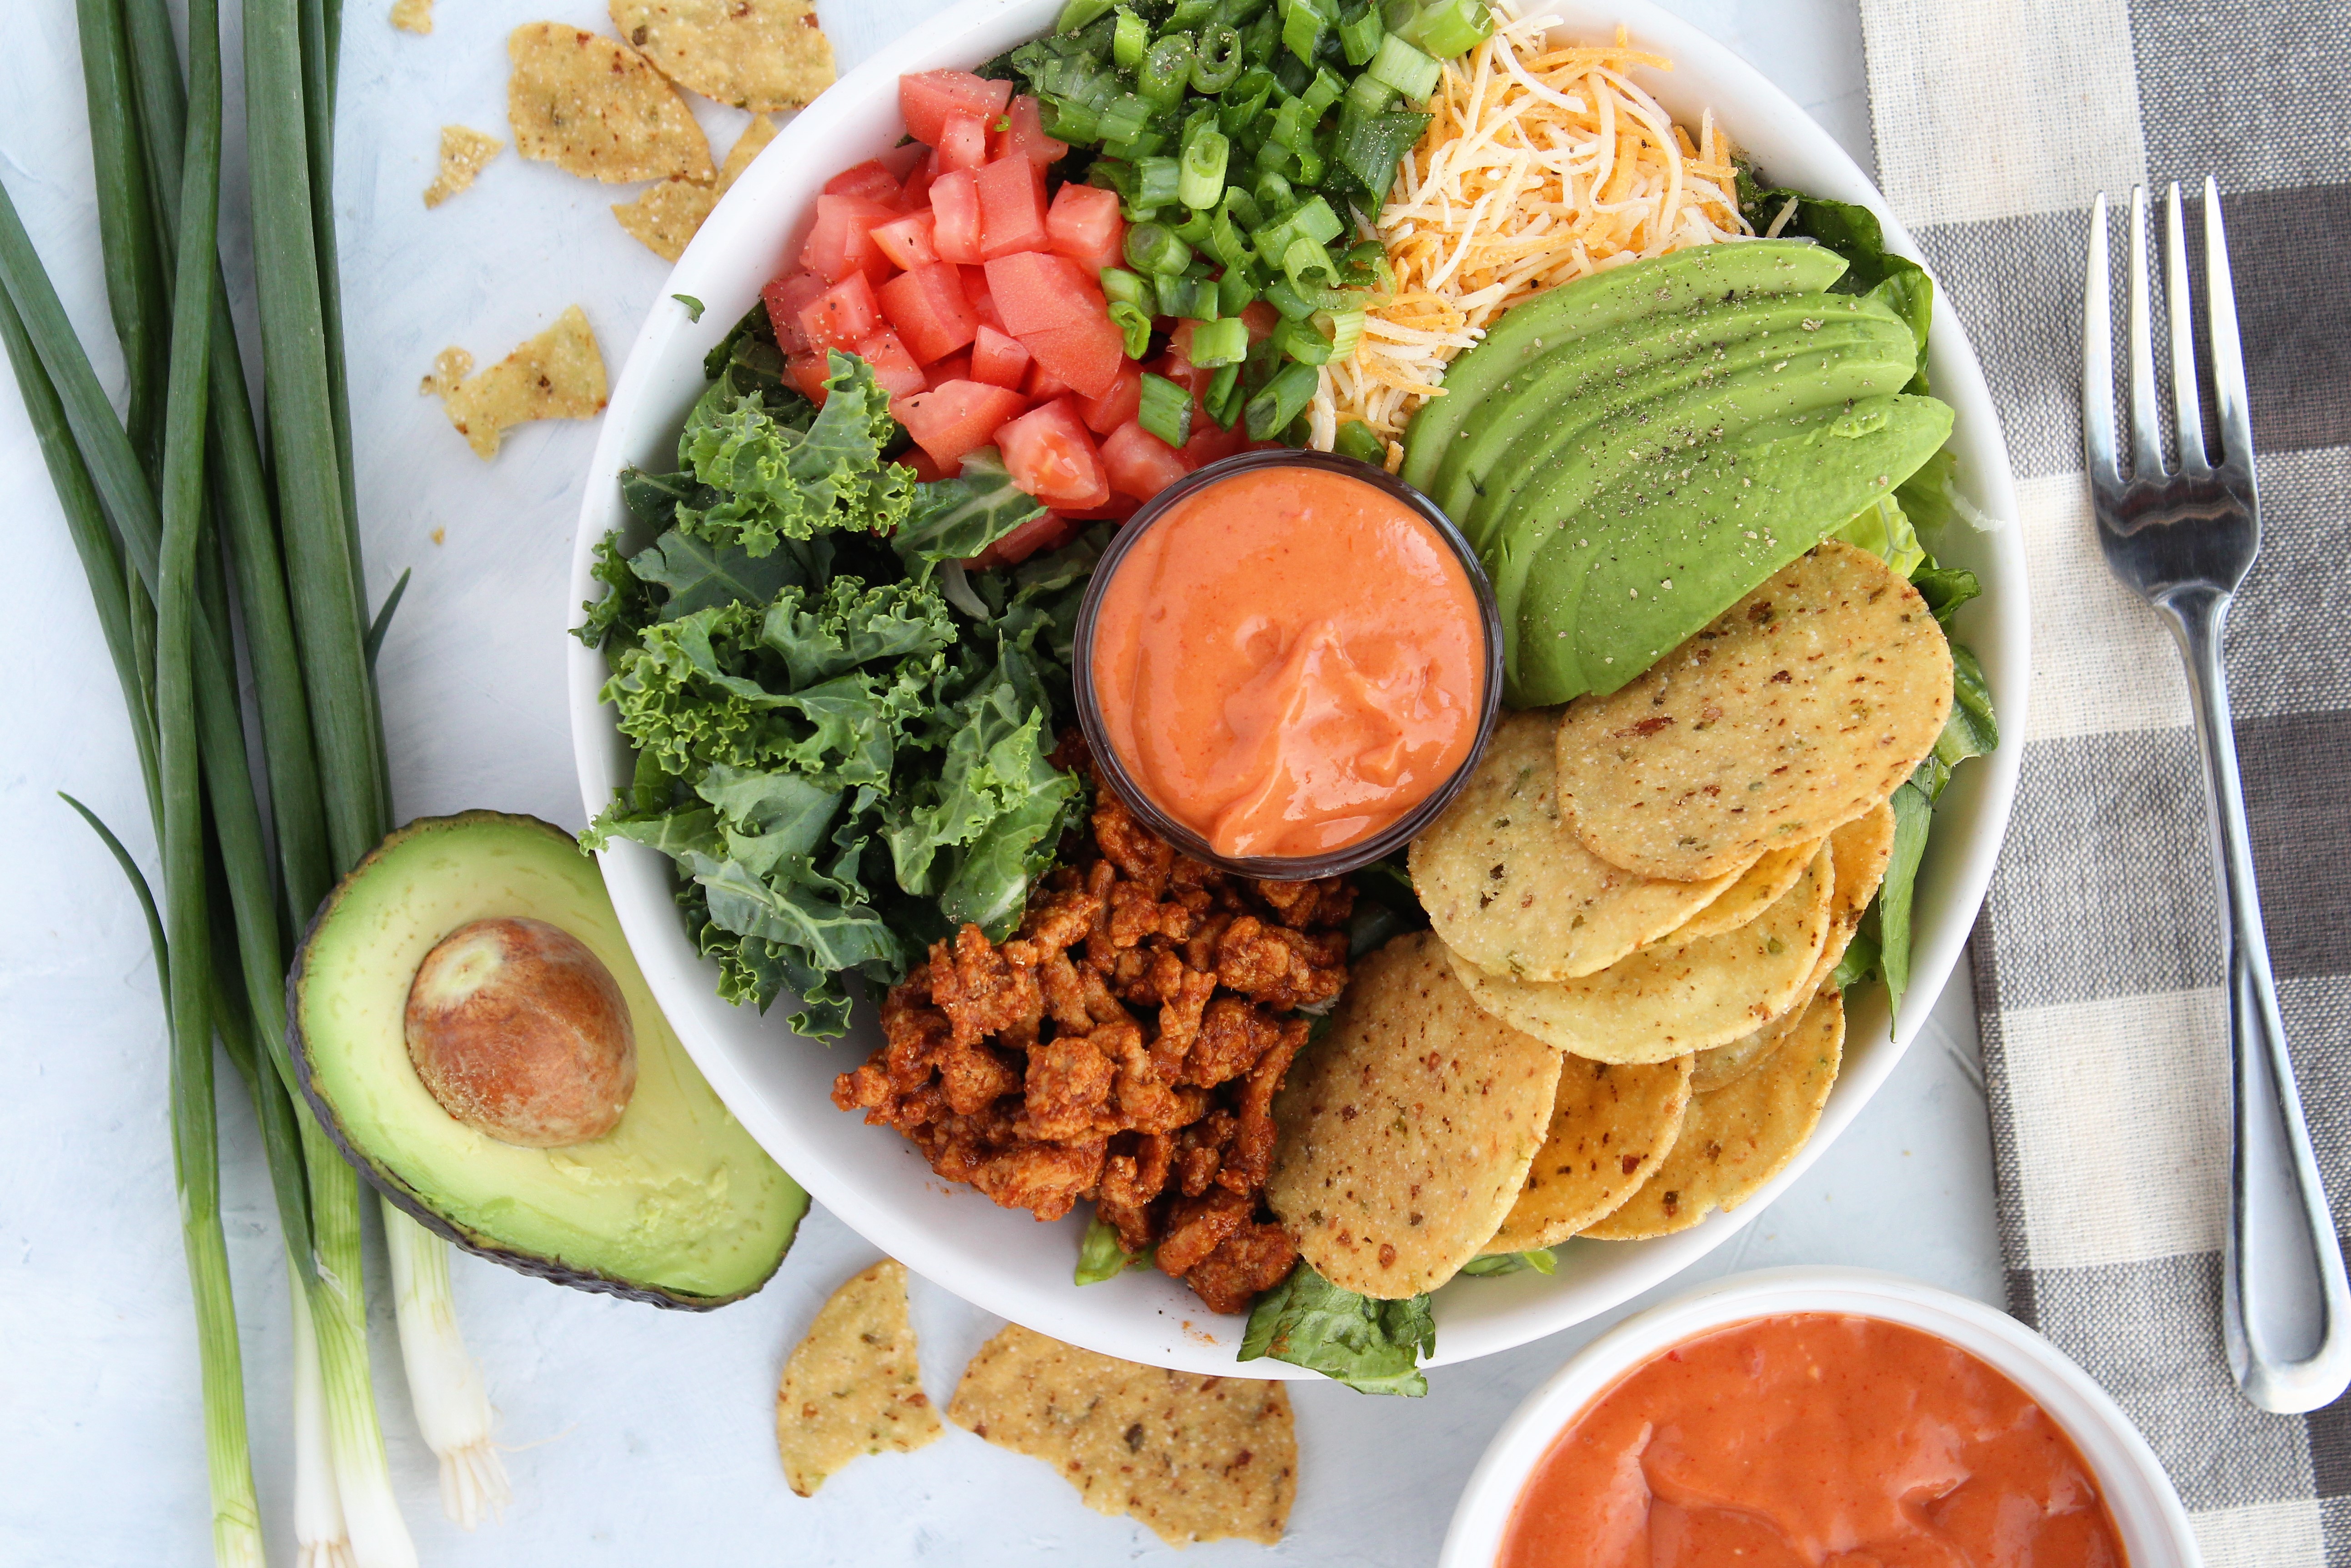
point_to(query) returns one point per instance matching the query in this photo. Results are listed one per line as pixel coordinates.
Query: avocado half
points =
(676, 1206)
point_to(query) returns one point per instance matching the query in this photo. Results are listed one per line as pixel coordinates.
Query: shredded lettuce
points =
(1883, 530)
(1100, 1257)
(1373, 1346)
(843, 764)
(1853, 232)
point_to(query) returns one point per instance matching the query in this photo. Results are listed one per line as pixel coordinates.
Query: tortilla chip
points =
(1735, 1139)
(1797, 710)
(1196, 1458)
(760, 55)
(1610, 1127)
(1860, 851)
(853, 1384)
(1724, 1065)
(464, 152)
(558, 374)
(1759, 887)
(1514, 892)
(1671, 999)
(1404, 1132)
(668, 215)
(412, 15)
(594, 109)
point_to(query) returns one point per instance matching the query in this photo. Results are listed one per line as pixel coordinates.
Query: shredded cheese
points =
(1542, 165)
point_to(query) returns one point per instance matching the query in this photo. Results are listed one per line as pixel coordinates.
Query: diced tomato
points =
(785, 297)
(1260, 319)
(907, 241)
(1118, 405)
(1085, 356)
(841, 245)
(925, 99)
(1052, 456)
(955, 213)
(998, 357)
(956, 417)
(916, 195)
(954, 368)
(928, 308)
(1043, 385)
(982, 297)
(1037, 290)
(868, 180)
(925, 470)
(1051, 531)
(1084, 225)
(963, 144)
(1210, 443)
(1011, 207)
(1119, 506)
(842, 316)
(1023, 131)
(1140, 464)
(893, 367)
(808, 370)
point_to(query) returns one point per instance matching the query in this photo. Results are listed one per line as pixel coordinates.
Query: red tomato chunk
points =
(1084, 225)
(1052, 458)
(894, 368)
(956, 417)
(841, 243)
(954, 368)
(868, 180)
(1011, 207)
(842, 316)
(928, 308)
(1115, 407)
(1036, 292)
(785, 297)
(907, 241)
(963, 144)
(1140, 464)
(1024, 133)
(925, 99)
(955, 213)
(998, 357)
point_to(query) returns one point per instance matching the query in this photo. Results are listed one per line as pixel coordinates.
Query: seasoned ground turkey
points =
(1124, 1046)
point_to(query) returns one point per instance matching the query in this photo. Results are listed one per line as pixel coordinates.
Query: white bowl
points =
(1003, 1261)
(2154, 1527)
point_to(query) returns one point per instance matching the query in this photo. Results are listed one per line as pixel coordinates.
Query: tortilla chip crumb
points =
(464, 152)
(853, 1385)
(594, 109)
(1196, 1458)
(669, 215)
(439, 536)
(558, 374)
(412, 15)
(761, 55)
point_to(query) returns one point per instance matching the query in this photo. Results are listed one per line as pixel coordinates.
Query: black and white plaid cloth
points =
(2097, 961)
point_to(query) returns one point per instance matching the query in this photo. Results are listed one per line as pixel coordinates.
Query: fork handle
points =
(2271, 1154)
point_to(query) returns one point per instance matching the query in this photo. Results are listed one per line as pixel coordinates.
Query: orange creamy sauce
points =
(1815, 1439)
(1289, 661)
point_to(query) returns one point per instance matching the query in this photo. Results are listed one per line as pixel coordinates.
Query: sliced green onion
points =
(1225, 242)
(1301, 341)
(1222, 400)
(1290, 123)
(1368, 147)
(1317, 222)
(1194, 298)
(1078, 13)
(1131, 41)
(1301, 29)
(1360, 441)
(1283, 399)
(1343, 327)
(1245, 100)
(1308, 265)
(1400, 66)
(1324, 91)
(1202, 182)
(1067, 119)
(1134, 323)
(1125, 117)
(1365, 265)
(1274, 195)
(1224, 341)
(1189, 14)
(1153, 247)
(1367, 94)
(1120, 286)
(1311, 165)
(1166, 411)
(1157, 181)
(1217, 61)
(1194, 229)
(1241, 13)
(1449, 27)
(1166, 70)
(1361, 38)
(1284, 296)
(1235, 289)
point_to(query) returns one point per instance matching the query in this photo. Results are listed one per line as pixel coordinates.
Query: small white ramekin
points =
(2146, 1511)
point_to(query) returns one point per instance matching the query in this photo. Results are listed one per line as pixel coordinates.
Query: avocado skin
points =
(407, 1198)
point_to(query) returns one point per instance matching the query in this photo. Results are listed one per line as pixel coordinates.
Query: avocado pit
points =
(520, 1032)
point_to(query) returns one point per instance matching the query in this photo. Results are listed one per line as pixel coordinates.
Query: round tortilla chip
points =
(1514, 892)
(1759, 887)
(1610, 1127)
(759, 54)
(1735, 1139)
(1725, 1065)
(1670, 1000)
(1859, 851)
(1406, 1130)
(1799, 708)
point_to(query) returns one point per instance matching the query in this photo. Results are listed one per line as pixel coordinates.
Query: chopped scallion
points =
(1224, 341)
(1078, 13)
(1235, 289)
(1324, 91)
(1360, 40)
(1202, 182)
(1301, 29)
(1134, 323)
(1283, 399)
(1157, 181)
(1343, 327)
(1166, 70)
(1369, 95)
(1194, 297)
(1449, 27)
(1400, 66)
(1131, 41)
(1301, 341)
(1119, 285)
(1360, 441)
(1216, 60)
(1153, 247)
(1166, 411)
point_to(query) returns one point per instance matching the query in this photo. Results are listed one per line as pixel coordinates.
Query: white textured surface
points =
(640, 1436)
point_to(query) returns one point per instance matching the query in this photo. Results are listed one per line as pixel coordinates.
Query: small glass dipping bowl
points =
(1348, 857)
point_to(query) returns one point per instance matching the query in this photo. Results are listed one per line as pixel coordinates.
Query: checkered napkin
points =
(2097, 961)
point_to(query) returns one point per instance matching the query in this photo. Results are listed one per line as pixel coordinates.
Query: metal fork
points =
(2183, 541)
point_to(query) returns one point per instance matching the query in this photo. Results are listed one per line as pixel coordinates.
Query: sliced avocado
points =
(676, 1206)
(1602, 303)
(1653, 561)
(1631, 455)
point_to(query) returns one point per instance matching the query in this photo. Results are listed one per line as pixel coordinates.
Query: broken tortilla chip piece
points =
(1514, 892)
(668, 215)
(853, 1384)
(760, 55)
(591, 107)
(1194, 1458)
(412, 15)
(1406, 1130)
(1735, 1139)
(464, 153)
(1792, 712)
(1610, 1127)
(558, 374)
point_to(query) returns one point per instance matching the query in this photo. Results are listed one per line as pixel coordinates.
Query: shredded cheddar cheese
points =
(1542, 165)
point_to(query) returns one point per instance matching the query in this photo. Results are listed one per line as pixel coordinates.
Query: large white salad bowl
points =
(780, 1084)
